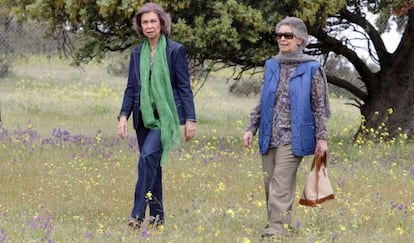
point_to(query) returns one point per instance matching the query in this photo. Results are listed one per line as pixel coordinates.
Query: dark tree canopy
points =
(241, 33)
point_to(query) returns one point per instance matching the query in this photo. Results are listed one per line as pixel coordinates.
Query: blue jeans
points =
(149, 174)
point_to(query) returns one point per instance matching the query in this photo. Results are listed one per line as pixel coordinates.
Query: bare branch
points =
(383, 55)
(348, 86)
(334, 45)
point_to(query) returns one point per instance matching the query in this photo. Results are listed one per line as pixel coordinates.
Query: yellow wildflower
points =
(148, 195)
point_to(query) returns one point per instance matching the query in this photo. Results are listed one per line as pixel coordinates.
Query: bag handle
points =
(319, 160)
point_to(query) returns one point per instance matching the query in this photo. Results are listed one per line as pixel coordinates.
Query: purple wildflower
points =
(89, 235)
(145, 233)
(334, 236)
(298, 224)
(341, 182)
(3, 236)
(411, 173)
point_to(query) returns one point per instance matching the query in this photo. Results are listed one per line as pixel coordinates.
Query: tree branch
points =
(348, 86)
(408, 36)
(375, 37)
(334, 45)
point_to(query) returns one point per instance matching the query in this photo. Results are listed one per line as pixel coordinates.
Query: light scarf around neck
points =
(157, 96)
(298, 56)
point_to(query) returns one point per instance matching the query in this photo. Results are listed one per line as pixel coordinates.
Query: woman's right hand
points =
(122, 127)
(248, 139)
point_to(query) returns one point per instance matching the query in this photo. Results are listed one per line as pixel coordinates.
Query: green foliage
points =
(4, 63)
(118, 68)
(236, 32)
(246, 87)
(316, 12)
(5, 60)
(223, 30)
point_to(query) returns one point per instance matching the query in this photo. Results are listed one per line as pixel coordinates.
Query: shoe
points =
(135, 223)
(267, 235)
(272, 236)
(155, 222)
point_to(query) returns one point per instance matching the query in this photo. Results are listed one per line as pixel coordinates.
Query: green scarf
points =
(156, 93)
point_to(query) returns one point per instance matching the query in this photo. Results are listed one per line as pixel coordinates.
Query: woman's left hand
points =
(189, 130)
(321, 146)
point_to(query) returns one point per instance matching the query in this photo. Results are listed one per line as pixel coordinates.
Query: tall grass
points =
(66, 177)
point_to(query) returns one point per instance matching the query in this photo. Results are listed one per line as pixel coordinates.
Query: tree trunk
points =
(388, 111)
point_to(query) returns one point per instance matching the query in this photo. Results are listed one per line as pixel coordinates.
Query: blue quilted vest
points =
(303, 125)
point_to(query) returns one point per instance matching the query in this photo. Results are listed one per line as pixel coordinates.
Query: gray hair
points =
(298, 27)
(163, 16)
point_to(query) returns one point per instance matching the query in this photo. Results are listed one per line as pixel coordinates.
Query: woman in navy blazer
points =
(154, 24)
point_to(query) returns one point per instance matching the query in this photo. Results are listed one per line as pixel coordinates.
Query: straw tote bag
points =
(318, 188)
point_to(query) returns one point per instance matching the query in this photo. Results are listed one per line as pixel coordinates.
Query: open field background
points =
(66, 177)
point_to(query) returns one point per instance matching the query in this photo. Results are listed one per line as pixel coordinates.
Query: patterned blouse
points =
(281, 128)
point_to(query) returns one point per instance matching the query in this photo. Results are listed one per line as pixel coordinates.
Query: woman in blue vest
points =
(291, 117)
(159, 95)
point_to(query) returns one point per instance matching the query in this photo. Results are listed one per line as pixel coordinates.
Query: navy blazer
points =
(180, 83)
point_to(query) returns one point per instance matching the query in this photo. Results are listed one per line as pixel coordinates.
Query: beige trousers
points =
(280, 167)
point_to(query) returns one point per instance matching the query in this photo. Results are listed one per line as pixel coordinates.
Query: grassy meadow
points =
(66, 177)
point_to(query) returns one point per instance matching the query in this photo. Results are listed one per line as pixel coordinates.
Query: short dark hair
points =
(163, 16)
